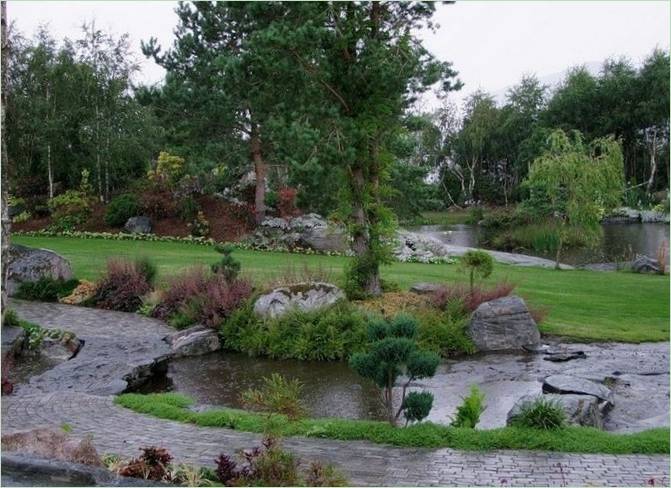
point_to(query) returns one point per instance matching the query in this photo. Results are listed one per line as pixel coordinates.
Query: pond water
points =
(620, 242)
(639, 374)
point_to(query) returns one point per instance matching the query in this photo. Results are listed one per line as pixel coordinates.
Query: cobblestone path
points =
(118, 430)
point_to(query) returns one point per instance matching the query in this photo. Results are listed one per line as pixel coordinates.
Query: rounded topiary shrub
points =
(122, 208)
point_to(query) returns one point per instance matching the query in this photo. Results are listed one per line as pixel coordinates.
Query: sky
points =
(492, 44)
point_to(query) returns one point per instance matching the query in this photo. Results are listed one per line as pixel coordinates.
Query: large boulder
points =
(28, 264)
(567, 384)
(194, 341)
(584, 410)
(623, 215)
(654, 216)
(302, 296)
(415, 247)
(52, 444)
(138, 225)
(503, 324)
(644, 264)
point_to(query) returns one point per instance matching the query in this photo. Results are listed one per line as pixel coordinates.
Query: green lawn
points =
(174, 406)
(584, 305)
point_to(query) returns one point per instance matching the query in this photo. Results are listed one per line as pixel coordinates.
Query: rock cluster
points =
(414, 247)
(301, 296)
(28, 264)
(584, 401)
(630, 215)
(309, 231)
(138, 225)
(504, 324)
(645, 264)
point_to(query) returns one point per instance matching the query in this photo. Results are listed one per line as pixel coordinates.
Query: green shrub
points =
(22, 217)
(69, 210)
(271, 199)
(324, 335)
(10, 319)
(444, 333)
(277, 395)
(228, 267)
(188, 209)
(122, 208)
(393, 351)
(46, 289)
(468, 413)
(541, 413)
(417, 405)
(477, 263)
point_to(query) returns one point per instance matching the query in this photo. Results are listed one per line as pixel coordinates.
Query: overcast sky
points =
(492, 44)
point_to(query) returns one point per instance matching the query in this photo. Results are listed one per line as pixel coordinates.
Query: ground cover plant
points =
(46, 289)
(174, 406)
(583, 305)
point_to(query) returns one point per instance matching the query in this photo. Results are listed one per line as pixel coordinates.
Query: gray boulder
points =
(584, 410)
(309, 231)
(194, 341)
(503, 324)
(425, 288)
(28, 264)
(624, 215)
(644, 264)
(566, 384)
(654, 216)
(138, 225)
(302, 296)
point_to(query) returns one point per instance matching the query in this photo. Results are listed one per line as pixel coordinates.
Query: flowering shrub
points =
(200, 226)
(462, 297)
(122, 286)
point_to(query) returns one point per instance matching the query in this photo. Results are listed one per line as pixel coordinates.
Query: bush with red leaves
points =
(286, 202)
(153, 464)
(122, 285)
(461, 297)
(201, 297)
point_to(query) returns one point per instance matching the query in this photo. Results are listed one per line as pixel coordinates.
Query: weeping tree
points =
(573, 185)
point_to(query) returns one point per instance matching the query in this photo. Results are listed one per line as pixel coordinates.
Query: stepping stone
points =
(563, 384)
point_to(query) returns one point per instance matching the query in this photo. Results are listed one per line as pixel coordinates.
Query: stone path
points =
(115, 429)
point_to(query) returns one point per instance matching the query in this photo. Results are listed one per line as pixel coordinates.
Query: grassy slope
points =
(173, 406)
(584, 305)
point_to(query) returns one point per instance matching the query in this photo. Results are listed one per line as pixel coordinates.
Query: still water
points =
(639, 375)
(620, 242)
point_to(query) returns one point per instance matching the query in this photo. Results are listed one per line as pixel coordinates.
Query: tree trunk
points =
(361, 236)
(653, 162)
(260, 171)
(50, 171)
(98, 166)
(4, 166)
(107, 170)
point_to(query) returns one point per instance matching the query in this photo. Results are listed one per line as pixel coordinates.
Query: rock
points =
(425, 288)
(503, 324)
(561, 357)
(653, 216)
(138, 225)
(28, 264)
(194, 341)
(60, 349)
(624, 215)
(13, 339)
(644, 264)
(412, 246)
(584, 410)
(309, 231)
(303, 296)
(29, 470)
(566, 384)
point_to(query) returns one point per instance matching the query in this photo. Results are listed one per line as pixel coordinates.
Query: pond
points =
(620, 242)
(639, 374)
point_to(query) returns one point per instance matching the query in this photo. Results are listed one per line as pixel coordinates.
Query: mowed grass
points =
(582, 305)
(174, 406)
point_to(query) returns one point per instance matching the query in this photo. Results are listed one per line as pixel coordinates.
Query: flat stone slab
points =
(562, 383)
(425, 288)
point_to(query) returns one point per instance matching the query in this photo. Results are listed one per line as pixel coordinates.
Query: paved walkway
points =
(115, 429)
